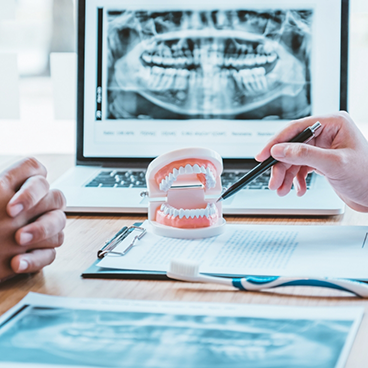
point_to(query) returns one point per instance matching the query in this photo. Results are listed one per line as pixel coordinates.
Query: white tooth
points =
(257, 82)
(201, 212)
(249, 60)
(212, 209)
(176, 213)
(271, 58)
(192, 213)
(162, 207)
(187, 213)
(157, 60)
(206, 212)
(147, 58)
(246, 76)
(166, 211)
(161, 186)
(260, 60)
(181, 213)
(171, 78)
(203, 169)
(181, 80)
(171, 177)
(181, 170)
(175, 173)
(188, 169)
(196, 169)
(197, 213)
(261, 71)
(238, 79)
(170, 61)
(172, 211)
(157, 70)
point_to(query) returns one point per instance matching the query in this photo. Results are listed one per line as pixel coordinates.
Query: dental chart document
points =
(302, 251)
(43, 331)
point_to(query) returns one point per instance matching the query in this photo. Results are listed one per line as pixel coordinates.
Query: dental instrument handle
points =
(303, 137)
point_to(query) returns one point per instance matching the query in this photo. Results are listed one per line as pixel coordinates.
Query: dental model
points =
(183, 187)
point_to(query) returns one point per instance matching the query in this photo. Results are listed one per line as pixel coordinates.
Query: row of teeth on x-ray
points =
(166, 183)
(180, 65)
(214, 54)
(249, 81)
(200, 212)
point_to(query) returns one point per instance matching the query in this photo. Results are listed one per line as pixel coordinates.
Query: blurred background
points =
(36, 28)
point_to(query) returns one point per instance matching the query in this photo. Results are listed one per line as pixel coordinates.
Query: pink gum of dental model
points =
(183, 187)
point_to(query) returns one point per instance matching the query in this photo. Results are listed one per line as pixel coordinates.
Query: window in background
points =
(40, 27)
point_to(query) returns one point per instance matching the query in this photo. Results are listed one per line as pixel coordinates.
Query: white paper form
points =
(301, 251)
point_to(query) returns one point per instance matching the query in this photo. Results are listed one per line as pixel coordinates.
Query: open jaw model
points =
(209, 64)
(183, 187)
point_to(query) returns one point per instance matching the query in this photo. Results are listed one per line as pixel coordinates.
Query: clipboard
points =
(111, 273)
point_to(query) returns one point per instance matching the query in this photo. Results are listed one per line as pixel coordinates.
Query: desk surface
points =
(85, 234)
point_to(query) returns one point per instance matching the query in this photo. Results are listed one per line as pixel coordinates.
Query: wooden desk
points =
(85, 234)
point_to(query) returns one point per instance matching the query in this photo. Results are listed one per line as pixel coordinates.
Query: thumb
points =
(301, 154)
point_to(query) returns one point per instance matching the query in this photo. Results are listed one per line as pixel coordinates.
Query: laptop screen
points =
(226, 75)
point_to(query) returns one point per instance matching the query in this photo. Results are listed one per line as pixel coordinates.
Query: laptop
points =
(155, 76)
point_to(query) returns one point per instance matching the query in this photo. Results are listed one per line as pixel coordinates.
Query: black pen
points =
(303, 137)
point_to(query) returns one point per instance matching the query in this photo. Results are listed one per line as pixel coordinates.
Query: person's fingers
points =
(17, 174)
(299, 182)
(45, 227)
(277, 175)
(326, 161)
(30, 193)
(290, 174)
(54, 200)
(54, 242)
(32, 261)
(286, 135)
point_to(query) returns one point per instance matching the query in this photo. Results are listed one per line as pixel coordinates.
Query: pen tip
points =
(219, 200)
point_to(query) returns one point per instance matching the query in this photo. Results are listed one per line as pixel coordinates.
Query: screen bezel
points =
(143, 162)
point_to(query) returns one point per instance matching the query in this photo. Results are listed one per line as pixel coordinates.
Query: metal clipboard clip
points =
(110, 245)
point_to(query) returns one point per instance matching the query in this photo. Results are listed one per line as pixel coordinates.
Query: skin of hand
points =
(31, 219)
(338, 151)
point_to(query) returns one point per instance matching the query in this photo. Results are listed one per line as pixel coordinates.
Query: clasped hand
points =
(31, 219)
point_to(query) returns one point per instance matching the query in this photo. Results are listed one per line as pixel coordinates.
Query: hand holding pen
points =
(339, 151)
(305, 136)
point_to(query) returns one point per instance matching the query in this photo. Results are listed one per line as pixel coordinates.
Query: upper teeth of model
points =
(166, 183)
(199, 212)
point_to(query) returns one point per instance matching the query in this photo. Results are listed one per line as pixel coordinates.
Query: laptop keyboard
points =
(137, 179)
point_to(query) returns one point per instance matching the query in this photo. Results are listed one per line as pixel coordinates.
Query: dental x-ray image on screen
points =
(212, 64)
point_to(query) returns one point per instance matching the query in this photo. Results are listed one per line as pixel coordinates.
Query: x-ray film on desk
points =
(66, 332)
(157, 76)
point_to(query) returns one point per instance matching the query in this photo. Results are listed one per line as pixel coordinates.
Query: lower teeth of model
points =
(193, 213)
(166, 183)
